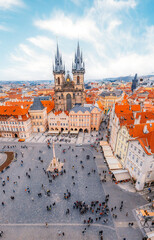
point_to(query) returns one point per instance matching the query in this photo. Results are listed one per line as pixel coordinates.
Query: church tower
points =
(78, 70)
(58, 71)
(68, 92)
(134, 83)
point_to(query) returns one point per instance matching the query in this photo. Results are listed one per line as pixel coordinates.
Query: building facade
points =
(108, 99)
(140, 161)
(69, 92)
(38, 115)
(122, 144)
(15, 122)
(84, 119)
(58, 122)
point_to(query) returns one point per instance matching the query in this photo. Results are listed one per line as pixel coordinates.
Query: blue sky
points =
(116, 37)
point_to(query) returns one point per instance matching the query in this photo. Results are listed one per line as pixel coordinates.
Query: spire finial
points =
(57, 51)
(78, 50)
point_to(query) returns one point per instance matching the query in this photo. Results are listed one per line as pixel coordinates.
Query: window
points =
(133, 157)
(141, 163)
(58, 79)
(151, 165)
(135, 148)
(40, 116)
(143, 154)
(78, 80)
(137, 160)
(139, 151)
(131, 145)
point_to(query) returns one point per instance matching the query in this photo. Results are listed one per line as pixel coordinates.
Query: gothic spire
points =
(78, 65)
(58, 66)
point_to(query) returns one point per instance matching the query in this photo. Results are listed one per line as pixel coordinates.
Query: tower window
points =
(58, 79)
(78, 80)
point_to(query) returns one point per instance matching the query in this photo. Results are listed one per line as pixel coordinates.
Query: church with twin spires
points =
(69, 92)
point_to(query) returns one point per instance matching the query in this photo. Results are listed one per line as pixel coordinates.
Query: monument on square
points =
(55, 165)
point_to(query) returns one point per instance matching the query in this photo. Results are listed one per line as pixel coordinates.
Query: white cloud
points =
(42, 42)
(61, 25)
(113, 24)
(8, 4)
(114, 5)
(3, 28)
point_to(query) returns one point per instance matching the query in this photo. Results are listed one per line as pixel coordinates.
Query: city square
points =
(28, 213)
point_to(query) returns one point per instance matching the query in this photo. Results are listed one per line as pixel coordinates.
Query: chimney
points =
(145, 130)
(137, 120)
(134, 115)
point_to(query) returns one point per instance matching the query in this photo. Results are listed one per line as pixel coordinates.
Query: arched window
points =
(58, 79)
(74, 95)
(78, 80)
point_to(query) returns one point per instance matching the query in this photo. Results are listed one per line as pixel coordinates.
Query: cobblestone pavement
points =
(24, 217)
(22, 210)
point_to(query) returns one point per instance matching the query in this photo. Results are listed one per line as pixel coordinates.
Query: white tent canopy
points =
(113, 163)
(104, 143)
(121, 174)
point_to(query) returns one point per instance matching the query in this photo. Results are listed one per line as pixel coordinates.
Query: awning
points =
(104, 143)
(53, 132)
(108, 154)
(73, 132)
(106, 148)
(113, 163)
(65, 132)
(121, 175)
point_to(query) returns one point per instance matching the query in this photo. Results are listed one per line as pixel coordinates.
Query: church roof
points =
(82, 109)
(37, 105)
